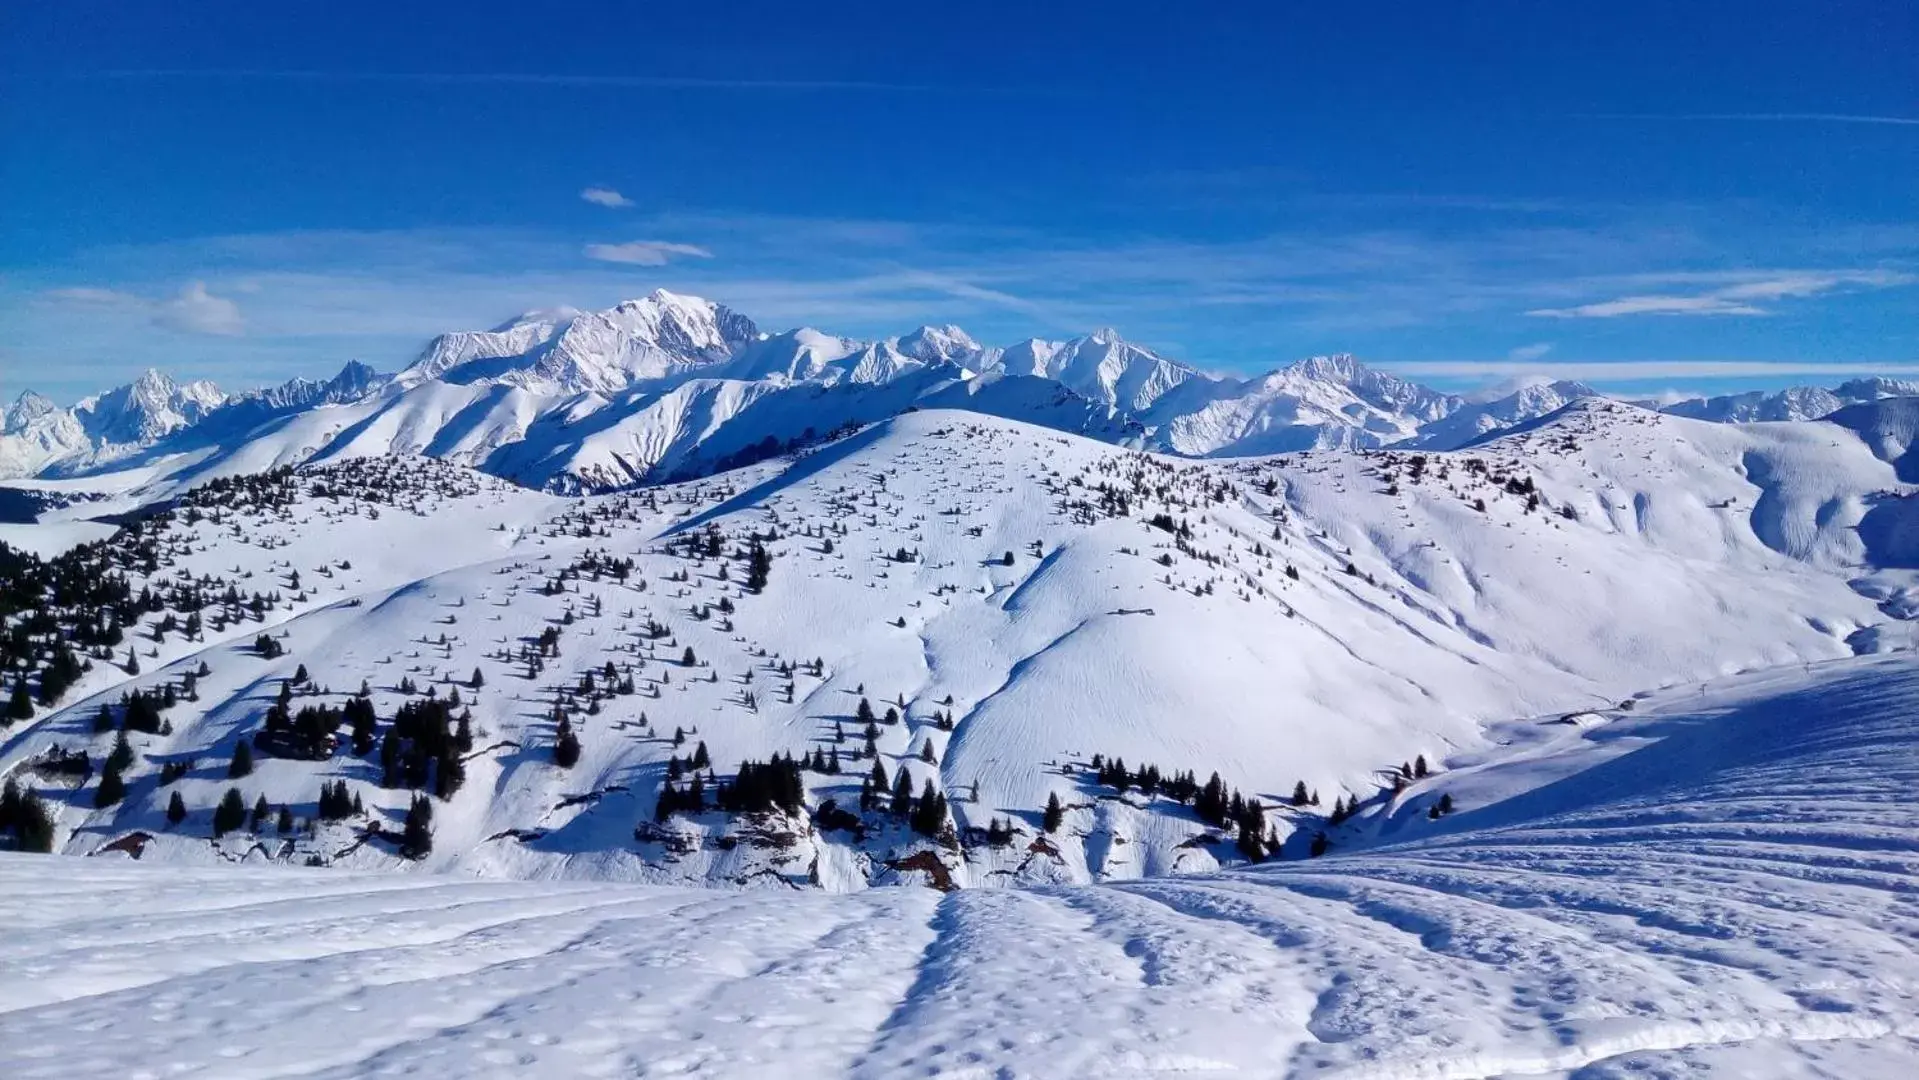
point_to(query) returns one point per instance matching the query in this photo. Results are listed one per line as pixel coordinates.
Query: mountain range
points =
(673, 386)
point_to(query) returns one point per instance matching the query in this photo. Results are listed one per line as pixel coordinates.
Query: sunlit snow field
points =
(1722, 883)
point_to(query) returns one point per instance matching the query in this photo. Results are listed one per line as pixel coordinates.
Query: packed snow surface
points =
(1720, 882)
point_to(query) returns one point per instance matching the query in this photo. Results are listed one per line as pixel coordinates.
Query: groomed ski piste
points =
(1661, 670)
(1721, 884)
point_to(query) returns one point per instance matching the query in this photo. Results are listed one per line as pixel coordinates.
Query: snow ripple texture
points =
(1722, 884)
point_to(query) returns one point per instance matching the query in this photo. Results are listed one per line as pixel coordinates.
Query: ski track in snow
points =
(1721, 885)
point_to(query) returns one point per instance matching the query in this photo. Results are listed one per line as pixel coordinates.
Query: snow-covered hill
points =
(1716, 885)
(1007, 601)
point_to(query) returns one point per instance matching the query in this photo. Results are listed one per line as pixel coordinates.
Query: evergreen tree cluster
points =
(423, 747)
(337, 802)
(1213, 801)
(24, 818)
(763, 787)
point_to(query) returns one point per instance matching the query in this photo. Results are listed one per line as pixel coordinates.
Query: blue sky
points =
(1653, 195)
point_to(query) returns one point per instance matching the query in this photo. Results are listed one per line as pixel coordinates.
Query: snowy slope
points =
(1719, 884)
(1038, 605)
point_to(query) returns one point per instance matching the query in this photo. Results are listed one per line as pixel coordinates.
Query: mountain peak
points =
(935, 343)
(566, 352)
(1336, 367)
(31, 405)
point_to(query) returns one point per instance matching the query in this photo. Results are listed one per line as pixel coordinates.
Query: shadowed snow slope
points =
(1024, 600)
(1720, 884)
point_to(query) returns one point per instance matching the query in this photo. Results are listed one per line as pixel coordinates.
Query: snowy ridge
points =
(1718, 886)
(670, 386)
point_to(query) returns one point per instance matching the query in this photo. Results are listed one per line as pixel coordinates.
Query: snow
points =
(1694, 551)
(49, 540)
(1716, 884)
(1662, 669)
(669, 386)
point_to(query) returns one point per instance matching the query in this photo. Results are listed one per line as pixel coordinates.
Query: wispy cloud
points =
(193, 310)
(1623, 371)
(645, 252)
(1776, 117)
(603, 196)
(313, 299)
(1742, 298)
(502, 78)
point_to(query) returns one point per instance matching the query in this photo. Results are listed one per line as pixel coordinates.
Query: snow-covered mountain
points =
(1792, 403)
(156, 418)
(1317, 403)
(673, 386)
(146, 409)
(39, 435)
(573, 352)
(1475, 421)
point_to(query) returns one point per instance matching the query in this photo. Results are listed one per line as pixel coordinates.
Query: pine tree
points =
(416, 836)
(121, 755)
(1300, 798)
(176, 809)
(283, 824)
(260, 811)
(230, 814)
(757, 565)
(242, 763)
(566, 745)
(449, 773)
(112, 789)
(902, 793)
(1419, 767)
(929, 814)
(1055, 815)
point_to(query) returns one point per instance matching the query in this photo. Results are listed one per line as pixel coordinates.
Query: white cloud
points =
(1740, 298)
(600, 196)
(645, 252)
(194, 310)
(1644, 370)
(82, 296)
(1530, 352)
(197, 311)
(1817, 118)
(1650, 305)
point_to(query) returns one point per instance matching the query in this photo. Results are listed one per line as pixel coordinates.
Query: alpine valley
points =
(1317, 723)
